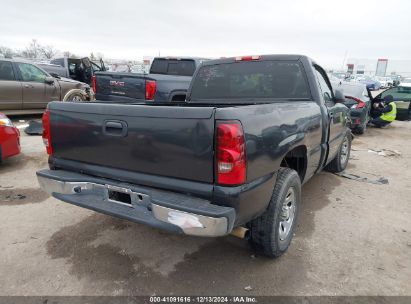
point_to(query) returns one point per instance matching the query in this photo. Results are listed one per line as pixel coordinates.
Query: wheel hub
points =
(344, 151)
(287, 214)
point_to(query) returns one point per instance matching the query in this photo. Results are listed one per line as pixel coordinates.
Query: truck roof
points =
(261, 57)
(182, 58)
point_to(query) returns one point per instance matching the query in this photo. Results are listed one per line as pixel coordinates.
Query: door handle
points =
(114, 125)
(28, 86)
(115, 128)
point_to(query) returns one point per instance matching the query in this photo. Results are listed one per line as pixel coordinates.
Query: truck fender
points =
(76, 95)
(177, 92)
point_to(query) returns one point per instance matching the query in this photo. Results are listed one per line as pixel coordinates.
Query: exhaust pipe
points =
(240, 232)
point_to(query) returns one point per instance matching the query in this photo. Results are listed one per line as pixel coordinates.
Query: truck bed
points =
(130, 87)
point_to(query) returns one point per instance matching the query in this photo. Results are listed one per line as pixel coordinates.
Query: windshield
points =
(250, 80)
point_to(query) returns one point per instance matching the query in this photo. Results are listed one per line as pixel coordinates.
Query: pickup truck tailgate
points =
(170, 141)
(120, 84)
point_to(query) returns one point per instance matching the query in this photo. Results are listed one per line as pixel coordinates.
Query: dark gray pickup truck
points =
(231, 159)
(168, 80)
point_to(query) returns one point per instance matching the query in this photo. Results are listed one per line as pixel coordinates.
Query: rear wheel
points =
(271, 233)
(361, 128)
(75, 95)
(339, 163)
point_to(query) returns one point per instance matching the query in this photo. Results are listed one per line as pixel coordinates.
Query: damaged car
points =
(25, 88)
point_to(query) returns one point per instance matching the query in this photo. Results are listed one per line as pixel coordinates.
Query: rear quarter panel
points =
(168, 85)
(271, 131)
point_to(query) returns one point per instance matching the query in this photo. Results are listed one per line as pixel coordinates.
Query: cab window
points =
(58, 61)
(31, 73)
(95, 67)
(325, 88)
(6, 71)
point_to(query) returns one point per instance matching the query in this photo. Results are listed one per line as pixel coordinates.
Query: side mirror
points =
(49, 80)
(338, 96)
(55, 75)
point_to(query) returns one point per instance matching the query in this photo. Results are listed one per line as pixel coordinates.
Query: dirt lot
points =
(353, 238)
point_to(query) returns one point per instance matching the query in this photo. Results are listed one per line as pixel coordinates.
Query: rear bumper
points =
(166, 210)
(358, 117)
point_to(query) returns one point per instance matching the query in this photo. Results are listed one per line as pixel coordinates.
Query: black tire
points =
(360, 129)
(265, 236)
(339, 163)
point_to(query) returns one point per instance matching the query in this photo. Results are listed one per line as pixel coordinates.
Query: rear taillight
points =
(150, 89)
(247, 58)
(46, 131)
(94, 83)
(230, 153)
(360, 104)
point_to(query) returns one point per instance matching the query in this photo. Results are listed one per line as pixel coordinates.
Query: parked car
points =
(402, 98)
(26, 88)
(405, 83)
(231, 159)
(358, 100)
(386, 82)
(167, 81)
(9, 138)
(371, 84)
(396, 79)
(74, 68)
(341, 75)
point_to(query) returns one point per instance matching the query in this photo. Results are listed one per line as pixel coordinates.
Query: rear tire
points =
(360, 129)
(271, 233)
(339, 163)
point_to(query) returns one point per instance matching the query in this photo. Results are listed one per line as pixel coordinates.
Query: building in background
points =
(380, 67)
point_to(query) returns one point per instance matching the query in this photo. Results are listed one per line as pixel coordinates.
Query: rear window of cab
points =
(247, 80)
(173, 67)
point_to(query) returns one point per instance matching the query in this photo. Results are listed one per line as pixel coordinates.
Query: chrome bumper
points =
(189, 223)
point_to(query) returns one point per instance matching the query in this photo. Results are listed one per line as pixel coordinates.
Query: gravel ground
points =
(353, 238)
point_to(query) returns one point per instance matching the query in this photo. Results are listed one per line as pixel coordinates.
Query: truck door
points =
(336, 114)
(11, 94)
(402, 98)
(88, 70)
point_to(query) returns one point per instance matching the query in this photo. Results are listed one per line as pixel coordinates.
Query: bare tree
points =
(48, 51)
(32, 51)
(6, 51)
(69, 54)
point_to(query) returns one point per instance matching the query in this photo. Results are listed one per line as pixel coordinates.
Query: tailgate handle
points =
(115, 128)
